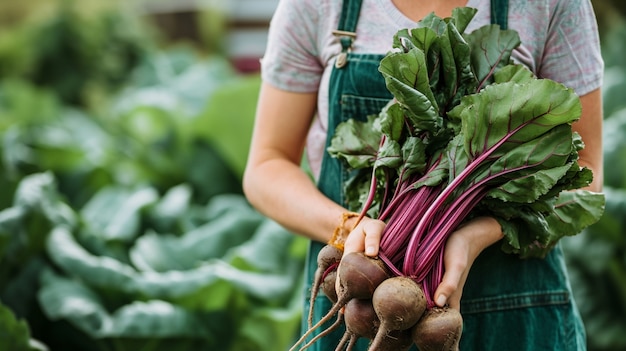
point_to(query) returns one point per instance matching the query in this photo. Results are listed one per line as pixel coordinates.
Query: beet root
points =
(394, 340)
(358, 277)
(399, 303)
(327, 260)
(439, 330)
(360, 318)
(328, 286)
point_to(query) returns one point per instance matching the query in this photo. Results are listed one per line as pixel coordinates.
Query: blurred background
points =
(124, 129)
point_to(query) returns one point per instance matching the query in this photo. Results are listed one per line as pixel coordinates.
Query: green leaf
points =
(160, 252)
(407, 79)
(529, 187)
(460, 80)
(114, 213)
(614, 145)
(533, 167)
(392, 122)
(575, 211)
(356, 142)
(571, 214)
(505, 115)
(414, 157)
(389, 155)
(455, 76)
(270, 328)
(434, 22)
(490, 49)
(437, 174)
(171, 207)
(268, 250)
(462, 16)
(227, 118)
(38, 192)
(14, 333)
(107, 273)
(513, 73)
(66, 299)
(420, 38)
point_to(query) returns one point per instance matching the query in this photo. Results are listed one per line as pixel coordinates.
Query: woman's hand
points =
(462, 248)
(365, 237)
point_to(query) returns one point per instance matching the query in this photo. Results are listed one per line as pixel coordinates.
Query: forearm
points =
(282, 191)
(590, 129)
(274, 182)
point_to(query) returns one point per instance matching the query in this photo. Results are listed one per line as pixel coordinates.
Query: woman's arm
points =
(589, 126)
(273, 181)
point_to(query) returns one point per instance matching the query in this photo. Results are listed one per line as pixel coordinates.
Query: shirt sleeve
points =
(572, 53)
(291, 60)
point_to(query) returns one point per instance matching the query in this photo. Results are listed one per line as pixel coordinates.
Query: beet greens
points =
(468, 133)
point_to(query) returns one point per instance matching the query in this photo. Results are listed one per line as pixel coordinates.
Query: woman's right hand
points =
(365, 237)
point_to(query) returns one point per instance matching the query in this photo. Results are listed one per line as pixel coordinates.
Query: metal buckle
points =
(342, 58)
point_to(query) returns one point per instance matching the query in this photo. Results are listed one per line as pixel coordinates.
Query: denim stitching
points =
(509, 302)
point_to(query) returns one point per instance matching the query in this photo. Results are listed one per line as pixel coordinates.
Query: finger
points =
(355, 242)
(372, 230)
(448, 292)
(365, 237)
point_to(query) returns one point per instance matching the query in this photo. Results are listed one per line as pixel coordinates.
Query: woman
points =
(315, 77)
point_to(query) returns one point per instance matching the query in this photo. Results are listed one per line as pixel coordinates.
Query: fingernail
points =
(370, 250)
(441, 300)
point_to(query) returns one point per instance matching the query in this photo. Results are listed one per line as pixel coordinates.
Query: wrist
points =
(347, 222)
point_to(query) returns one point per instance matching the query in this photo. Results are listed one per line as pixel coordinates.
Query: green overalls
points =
(508, 303)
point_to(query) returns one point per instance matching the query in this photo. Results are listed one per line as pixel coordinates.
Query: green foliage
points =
(125, 227)
(13, 333)
(466, 118)
(202, 273)
(78, 54)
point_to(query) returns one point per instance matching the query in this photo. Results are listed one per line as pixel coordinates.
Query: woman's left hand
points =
(462, 248)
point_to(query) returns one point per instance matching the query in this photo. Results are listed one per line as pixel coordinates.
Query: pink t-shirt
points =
(559, 41)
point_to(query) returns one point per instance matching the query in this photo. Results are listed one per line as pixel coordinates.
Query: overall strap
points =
(346, 30)
(500, 13)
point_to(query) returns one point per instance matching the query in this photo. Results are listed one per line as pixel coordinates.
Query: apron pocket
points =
(513, 301)
(541, 321)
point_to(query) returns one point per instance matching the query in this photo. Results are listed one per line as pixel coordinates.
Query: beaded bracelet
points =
(339, 234)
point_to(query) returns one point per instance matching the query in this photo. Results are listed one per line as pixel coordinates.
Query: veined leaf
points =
(389, 155)
(573, 212)
(513, 73)
(392, 122)
(505, 115)
(530, 170)
(414, 157)
(420, 38)
(491, 49)
(356, 142)
(407, 79)
(462, 16)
